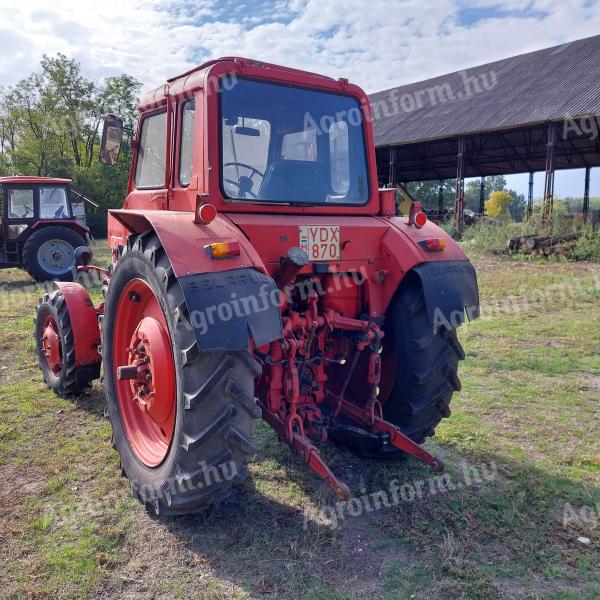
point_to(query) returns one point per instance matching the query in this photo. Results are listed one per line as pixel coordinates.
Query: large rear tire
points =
(425, 364)
(203, 402)
(48, 253)
(419, 375)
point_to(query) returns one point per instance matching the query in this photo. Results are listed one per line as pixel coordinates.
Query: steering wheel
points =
(244, 182)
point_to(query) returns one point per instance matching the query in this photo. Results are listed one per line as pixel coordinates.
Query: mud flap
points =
(451, 291)
(227, 307)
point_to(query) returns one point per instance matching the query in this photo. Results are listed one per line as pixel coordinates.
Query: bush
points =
(492, 237)
(587, 246)
(448, 227)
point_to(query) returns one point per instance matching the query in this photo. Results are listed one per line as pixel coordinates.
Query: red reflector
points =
(205, 214)
(433, 245)
(420, 219)
(223, 249)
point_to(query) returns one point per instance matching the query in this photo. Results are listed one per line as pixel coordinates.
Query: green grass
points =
(528, 412)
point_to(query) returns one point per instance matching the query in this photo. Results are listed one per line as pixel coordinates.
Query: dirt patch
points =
(593, 382)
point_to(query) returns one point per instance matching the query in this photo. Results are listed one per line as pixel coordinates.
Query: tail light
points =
(416, 216)
(205, 213)
(223, 249)
(420, 219)
(433, 245)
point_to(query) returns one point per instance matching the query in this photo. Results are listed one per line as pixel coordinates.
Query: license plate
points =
(321, 242)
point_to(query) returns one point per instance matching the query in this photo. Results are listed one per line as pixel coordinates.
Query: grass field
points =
(522, 450)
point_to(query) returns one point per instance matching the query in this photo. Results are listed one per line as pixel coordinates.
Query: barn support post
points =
(482, 196)
(441, 198)
(549, 184)
(392, 167)
(586, 196)
(530, 197)
(459, 205)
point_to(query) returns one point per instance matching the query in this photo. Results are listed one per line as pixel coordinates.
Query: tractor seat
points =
(295, 180)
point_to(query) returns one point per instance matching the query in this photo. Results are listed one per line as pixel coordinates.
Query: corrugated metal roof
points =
(539, 87)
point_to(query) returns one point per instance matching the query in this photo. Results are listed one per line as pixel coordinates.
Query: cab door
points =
(20, 210)
(187, 164)
(150, 175)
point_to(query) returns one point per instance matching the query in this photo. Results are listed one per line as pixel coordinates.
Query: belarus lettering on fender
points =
(321, 242)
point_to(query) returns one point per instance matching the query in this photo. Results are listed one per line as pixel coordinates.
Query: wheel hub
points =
(51, 345)
(147, 351)
(56, 256)
(145, 372)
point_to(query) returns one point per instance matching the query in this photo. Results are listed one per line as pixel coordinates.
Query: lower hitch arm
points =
(301, 445)
(396, 437)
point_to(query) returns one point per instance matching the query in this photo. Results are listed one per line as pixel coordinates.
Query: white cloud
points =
(374, 43)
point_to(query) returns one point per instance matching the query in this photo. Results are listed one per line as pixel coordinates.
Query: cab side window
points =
(186, 155)
(54, 203)
(152, 152)
(20, 203)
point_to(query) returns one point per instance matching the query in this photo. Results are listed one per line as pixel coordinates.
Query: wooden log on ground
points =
(534, 243)
(560, 249)
(517, 243)
(559, 239)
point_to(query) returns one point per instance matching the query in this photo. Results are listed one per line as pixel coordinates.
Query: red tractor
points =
(258, 271)
(39, 226)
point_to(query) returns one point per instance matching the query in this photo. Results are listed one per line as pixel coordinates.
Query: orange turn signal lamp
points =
(223, 249)
(433, 245)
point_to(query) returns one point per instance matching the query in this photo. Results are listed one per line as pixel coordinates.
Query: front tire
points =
(203, 412)
(55, 348)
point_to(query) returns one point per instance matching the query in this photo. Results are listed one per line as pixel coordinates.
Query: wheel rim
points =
(144, 373)
(55, 256)
(51, 345)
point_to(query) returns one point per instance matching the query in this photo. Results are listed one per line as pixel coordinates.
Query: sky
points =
(376, 44)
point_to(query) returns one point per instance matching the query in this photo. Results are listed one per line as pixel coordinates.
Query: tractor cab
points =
(40, 226)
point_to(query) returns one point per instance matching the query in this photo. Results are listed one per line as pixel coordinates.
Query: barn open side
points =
(534, 112)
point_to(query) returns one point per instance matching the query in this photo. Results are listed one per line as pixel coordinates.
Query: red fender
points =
(84, 321)
(184, 240)
(70, 223)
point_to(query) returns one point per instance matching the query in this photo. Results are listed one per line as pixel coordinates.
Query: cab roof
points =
(193, 79)
(27, 179)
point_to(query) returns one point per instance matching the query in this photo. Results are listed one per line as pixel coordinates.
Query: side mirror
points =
(112, 134)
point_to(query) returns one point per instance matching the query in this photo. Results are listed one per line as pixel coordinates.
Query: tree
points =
(518, 206)
(473, 190)
(427, 192)
(73, 96)
(496, 206)
(50, 124)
